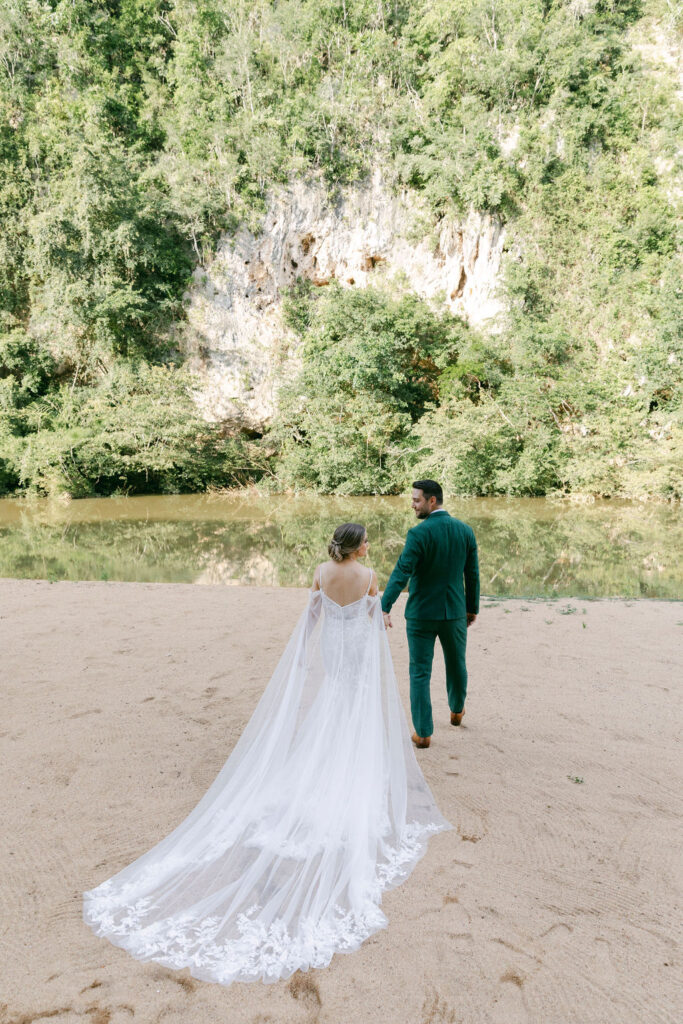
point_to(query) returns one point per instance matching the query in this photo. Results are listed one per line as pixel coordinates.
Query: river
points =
(529, 547)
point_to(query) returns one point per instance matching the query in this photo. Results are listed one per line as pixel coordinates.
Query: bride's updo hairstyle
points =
(346, 539)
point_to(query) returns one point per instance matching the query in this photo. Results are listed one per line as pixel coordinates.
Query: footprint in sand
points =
(94, 984)
(186, 982)
(510, 1005)
(469, 837)
(556, 935)
(437, 1011)
(457, 918)
(605, 960)
(306, 992)
(462, 863)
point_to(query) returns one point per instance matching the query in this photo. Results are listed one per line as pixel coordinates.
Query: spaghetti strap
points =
(320, 580)
(368, 586)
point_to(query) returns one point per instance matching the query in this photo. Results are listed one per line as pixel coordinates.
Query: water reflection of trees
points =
(526, 548)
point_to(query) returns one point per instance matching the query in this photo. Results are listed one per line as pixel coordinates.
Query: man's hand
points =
(387, 620)
(470, 618)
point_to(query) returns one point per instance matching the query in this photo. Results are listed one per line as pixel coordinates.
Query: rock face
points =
(235, 337)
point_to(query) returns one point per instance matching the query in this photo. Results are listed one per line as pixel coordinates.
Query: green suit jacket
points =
(440, 555)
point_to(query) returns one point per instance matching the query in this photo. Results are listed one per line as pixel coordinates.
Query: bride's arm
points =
(314, 603)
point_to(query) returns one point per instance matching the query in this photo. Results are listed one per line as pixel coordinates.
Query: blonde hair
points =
(346, 539)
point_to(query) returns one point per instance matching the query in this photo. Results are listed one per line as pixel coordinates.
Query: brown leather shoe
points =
(456, 717)
(421, 741)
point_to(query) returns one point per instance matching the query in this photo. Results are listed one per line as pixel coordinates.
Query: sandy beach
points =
(554, 900)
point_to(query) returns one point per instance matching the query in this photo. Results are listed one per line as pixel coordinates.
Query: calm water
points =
(528, 547)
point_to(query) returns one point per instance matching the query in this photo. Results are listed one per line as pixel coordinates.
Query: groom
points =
(439, 553)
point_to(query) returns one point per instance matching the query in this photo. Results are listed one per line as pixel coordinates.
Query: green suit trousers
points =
(422, 634)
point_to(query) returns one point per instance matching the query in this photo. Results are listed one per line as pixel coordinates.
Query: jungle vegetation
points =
(135, 133)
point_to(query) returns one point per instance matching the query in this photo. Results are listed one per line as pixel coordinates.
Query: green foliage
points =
(581, 392)
(26, 370)
(371, 365)
(132, 134)
(136, 432)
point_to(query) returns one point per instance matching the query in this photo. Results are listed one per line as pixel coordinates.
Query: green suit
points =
(439, 561)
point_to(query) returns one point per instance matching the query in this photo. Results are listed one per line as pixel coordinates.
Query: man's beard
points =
(422, 515)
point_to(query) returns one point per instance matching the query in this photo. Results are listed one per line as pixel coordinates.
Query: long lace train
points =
(319, 809)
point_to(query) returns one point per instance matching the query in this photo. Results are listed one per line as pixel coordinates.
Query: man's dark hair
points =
(430, 488)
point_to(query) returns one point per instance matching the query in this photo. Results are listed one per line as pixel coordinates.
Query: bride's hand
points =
(387, 620)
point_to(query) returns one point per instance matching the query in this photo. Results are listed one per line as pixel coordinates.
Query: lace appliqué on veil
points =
(319, 809)
(260, 952)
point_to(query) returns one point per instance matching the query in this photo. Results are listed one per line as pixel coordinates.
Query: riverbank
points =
(553, 900)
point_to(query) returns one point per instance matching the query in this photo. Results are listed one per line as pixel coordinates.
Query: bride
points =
(320, 808)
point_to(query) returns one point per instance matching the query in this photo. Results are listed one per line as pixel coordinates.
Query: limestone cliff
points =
(235, 336)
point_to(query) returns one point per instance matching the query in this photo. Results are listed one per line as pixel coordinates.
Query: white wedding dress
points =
(319, 809)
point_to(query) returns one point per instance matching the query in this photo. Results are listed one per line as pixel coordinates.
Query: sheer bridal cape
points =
(319, 809)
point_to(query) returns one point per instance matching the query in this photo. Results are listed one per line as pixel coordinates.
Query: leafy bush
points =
(136, 432)
(371, 366)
